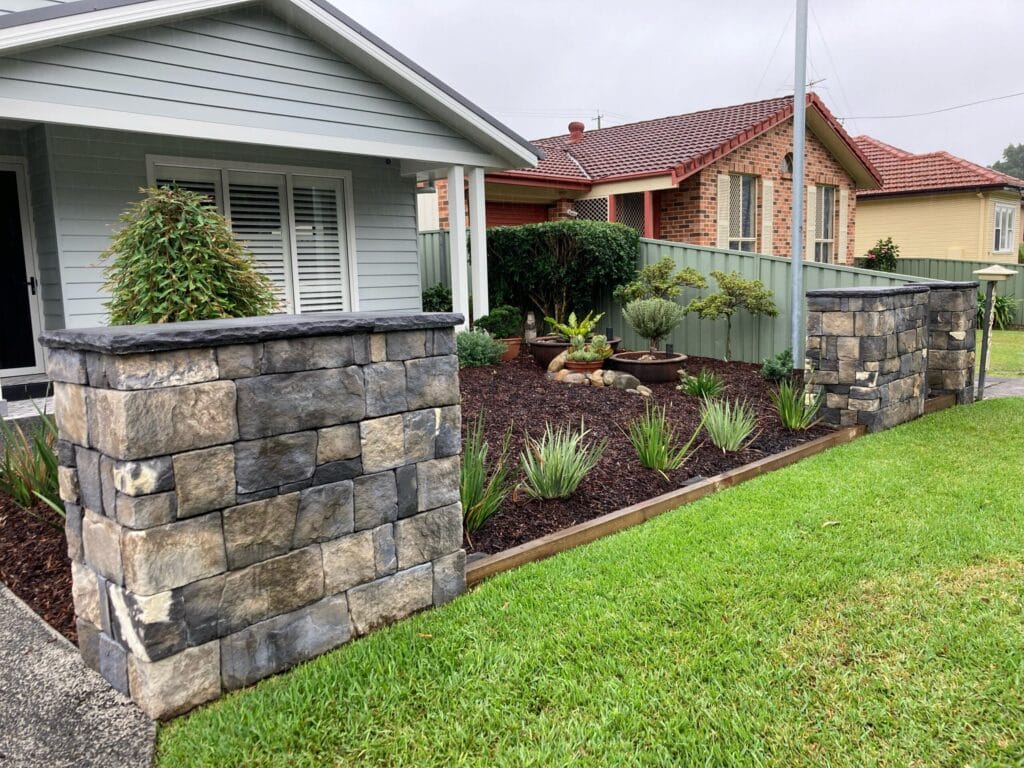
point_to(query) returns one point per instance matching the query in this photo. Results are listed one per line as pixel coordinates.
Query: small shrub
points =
(734, 293)
(176, 259)
(582, 352)
(437, 298)
(653, 319)
(503, 322)
(883, 256)
(728, 424)
(556, 464)
(705, 384)
(797, 410)
(657, 281)
(476, 348)
(573, 327)
(655, 441)
(1004, 309)
(778, 368)
(28, 469)
(483, 488)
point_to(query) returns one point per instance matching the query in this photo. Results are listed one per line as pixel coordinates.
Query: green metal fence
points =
(947, 269)
(753, 339)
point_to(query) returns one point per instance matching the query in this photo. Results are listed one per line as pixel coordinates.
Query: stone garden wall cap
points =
(994, 273)
(131, 339)
(869, 290)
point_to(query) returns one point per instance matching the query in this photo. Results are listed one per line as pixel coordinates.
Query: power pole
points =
(598, 119)
(797, 224)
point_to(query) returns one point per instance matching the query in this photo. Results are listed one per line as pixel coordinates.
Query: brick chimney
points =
(576, 132)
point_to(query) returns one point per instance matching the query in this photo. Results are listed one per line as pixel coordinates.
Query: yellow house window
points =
(1004, 228)
(742, 212)
(824, 225)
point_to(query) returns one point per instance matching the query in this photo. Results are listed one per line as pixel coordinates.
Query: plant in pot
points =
(653, 319)
(546, 348)
(505, 323)
(586, 357)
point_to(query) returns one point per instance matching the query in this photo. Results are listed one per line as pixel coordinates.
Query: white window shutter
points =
(723, 211)
(257, 219)
(767, 217)
(320, 249)
(841, 241)
(811, 226)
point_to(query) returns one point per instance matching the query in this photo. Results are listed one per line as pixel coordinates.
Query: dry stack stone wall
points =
(244, 495)
(952, 322)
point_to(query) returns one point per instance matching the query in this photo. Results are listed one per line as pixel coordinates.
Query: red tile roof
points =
(904, 172)
(680, 145)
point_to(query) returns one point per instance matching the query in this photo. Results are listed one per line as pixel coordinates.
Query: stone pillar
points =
(245, 494)
(952, 322)
(868, 350)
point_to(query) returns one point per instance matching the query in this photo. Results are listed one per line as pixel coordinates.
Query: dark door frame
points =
(20, 168)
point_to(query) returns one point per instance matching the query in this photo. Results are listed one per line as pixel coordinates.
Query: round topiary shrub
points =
(476, 348)
(653, 319)
(177, 259)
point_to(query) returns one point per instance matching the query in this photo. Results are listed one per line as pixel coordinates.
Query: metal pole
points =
(989, 301)
(797, 224)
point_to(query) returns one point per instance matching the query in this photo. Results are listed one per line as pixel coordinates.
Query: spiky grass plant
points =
(728, 424)
(483, 487)
(556, 464)
(28, 466)
(704, 384)
(655, 441)
(798, 410)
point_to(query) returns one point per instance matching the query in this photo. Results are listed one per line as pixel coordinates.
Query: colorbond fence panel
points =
(947, 269)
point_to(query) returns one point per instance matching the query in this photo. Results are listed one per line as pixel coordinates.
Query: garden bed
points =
(520, 394)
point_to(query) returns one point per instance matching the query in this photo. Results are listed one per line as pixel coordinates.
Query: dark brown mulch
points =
(519, 393)
(34, 564)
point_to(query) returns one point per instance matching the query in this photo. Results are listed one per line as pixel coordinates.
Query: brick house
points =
(720, 177)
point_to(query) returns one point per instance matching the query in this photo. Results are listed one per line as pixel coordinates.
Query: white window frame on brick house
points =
(310, 259)
(1004, 227)
(743, 216)
(825, 223)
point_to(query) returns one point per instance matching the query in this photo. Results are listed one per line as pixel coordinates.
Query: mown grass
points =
(1006, 358)
(863, 607)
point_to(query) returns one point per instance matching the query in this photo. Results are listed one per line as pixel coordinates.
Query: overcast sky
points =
(537, 64)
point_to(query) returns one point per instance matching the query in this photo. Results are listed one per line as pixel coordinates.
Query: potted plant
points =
(586, 357)
(546, 348)
(653, 319)
(505, 323)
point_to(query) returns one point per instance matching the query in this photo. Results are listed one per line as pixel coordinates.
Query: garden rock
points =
(645, 391)
(558, 363)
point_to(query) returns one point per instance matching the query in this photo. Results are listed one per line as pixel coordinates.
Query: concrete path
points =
(997, 387)
(54, 711)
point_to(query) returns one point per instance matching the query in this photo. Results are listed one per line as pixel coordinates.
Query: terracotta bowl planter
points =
(514, 344)
(546, 348)
(663, 367)
(580, 366)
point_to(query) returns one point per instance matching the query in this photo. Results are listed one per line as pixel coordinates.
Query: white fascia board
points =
(53, 31)
(394, 73)
(61, 114)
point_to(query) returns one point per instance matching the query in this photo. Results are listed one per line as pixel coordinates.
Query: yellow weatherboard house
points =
(939, 206)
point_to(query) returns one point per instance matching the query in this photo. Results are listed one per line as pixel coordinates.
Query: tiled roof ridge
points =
(879, 144)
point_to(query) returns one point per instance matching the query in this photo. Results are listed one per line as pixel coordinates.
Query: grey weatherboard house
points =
(309, 132)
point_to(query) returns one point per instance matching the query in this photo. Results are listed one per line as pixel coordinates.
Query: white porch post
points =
(478, 241)
(3, 403)
(457, 241)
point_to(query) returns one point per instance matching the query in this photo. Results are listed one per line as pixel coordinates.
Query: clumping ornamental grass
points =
(728, 424)
(656, 443)
(555, 465)
(862, 607)
(705, 384)
(483, 486)
(797, 409)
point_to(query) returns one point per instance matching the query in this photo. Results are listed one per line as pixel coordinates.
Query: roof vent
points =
(576, 132)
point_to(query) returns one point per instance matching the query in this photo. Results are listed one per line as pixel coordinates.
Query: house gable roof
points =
(906, 173)
(52, 24)
(681, 145)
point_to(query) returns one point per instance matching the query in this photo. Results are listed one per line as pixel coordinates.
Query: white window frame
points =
(827, 243)
(736, 243)
(1004, 233)
(289, 172)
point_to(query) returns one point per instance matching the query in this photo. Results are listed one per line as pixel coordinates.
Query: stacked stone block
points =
(244, 495)
(952, 323)
(868, 352)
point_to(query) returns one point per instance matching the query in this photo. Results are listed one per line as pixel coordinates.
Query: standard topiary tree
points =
(177, 259)
(653, 319)
(659, 281)
(734, 292)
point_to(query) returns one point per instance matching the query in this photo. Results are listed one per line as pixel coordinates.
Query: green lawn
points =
(864, 607)
(1007, 355)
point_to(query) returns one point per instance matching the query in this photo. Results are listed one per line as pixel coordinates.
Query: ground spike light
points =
(990, 276)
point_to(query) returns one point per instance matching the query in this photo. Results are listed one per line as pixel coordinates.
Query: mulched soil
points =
(34, 564)
(520, 394)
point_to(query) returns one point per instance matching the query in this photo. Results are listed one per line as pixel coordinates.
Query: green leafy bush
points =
(655, 441)
(503, 322)
(28, 469)
(735, 292)
(1004, 310)
(556, 464)
(728, 424)
(573, 327)
(482, 486)
(559, 266)
(659, 281)
(476, 348)
(797, 410)
(437, 298)
(883, 256)
(779, 367)
(176, 259)
(704, 384)
(653, 319)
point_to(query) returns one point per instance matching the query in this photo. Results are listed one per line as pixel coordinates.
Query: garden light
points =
(990, 276)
